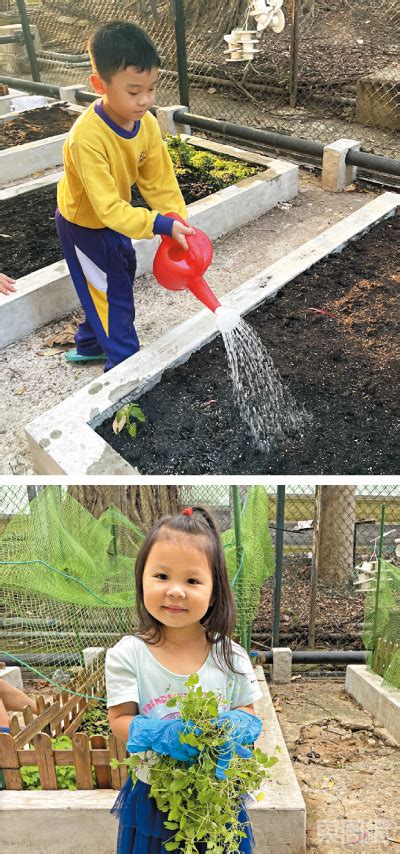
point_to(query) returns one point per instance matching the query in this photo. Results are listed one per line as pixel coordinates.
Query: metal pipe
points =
(31, 86)
(181, 57)
(291, 143)
(280, 520)
(373, 162)
(315, 656)
(65, 57)
(66, 659)
(28, 39)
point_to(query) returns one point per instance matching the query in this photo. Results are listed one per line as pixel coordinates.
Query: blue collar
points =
(126, 134)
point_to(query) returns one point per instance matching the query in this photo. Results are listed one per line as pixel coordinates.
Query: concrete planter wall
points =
(63, 440)
(83, 820)
(48, 294)
(20, 161)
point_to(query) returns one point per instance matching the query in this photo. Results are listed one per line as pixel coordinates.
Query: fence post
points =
(378, 581)
(314, 568)
(181, 56)
(239, 562)
(294, 51)
(28, 40)
(280, 521)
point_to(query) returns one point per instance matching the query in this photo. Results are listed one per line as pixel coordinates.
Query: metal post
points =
(181, 56)
(294, 51)
(280, 520)
(237, 511)
(378, 581)
(315, 567)
(28, 40)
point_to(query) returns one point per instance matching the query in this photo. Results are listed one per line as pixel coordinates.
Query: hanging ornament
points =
(268, 14)
(241, 45)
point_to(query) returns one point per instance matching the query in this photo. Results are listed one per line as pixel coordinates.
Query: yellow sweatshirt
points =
(101, 163)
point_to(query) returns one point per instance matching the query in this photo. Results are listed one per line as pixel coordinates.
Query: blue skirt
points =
(141, 823)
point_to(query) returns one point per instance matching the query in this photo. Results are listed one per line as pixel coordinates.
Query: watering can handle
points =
(194, 250)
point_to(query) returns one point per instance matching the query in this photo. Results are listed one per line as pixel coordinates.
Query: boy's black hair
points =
(219, 620)
(115, 46)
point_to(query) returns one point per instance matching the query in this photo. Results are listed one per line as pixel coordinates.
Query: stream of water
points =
(265, 405)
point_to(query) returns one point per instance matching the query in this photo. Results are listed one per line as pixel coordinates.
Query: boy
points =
(114, 144)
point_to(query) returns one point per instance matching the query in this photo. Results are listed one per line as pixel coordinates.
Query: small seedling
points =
(197, 806)
(127, 417)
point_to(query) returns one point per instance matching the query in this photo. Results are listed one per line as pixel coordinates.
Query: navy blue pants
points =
(102, 265)
(141, 824)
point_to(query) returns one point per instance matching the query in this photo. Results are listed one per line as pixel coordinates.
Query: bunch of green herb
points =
(198, 807)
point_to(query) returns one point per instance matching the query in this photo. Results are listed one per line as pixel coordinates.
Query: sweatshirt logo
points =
(142, 157)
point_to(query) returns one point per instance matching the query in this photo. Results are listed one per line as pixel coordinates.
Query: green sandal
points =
(73, 356)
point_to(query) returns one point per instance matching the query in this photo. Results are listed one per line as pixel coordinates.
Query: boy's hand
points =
(6, 285)
(178, 233)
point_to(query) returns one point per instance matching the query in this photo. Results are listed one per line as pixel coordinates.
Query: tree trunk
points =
(143, 505)
(334, 536)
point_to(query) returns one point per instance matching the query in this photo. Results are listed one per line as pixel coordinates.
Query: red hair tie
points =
(188, 511)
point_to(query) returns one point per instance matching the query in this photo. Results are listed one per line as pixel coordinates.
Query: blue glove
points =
(160, 736)
(241, 728)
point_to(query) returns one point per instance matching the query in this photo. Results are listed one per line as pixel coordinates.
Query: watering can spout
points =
(203, 292)
(177, 269)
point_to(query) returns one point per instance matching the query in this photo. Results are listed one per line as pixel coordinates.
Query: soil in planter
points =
(343, 369)
(36, 124)
(28, 237)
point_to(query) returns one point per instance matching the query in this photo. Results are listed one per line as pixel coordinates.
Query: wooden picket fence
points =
(62, 717)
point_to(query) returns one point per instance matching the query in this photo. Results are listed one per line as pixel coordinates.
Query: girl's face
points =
(177, 581)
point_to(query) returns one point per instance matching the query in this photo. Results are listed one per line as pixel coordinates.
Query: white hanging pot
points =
(278, 21)
(264, 20)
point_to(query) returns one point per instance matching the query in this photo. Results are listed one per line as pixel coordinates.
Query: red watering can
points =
(176, 268)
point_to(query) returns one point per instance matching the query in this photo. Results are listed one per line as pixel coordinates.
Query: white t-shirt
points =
(134, 675)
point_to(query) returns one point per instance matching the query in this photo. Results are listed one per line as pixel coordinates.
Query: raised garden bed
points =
(47, 293)
(343, 368)
(36, 124)
(27, 220)
(64, 439)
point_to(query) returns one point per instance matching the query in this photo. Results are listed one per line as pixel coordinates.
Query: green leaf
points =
(132, 430)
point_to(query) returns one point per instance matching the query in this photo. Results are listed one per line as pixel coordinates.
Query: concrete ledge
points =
(20, 161)
(48, 293)
(62, 440)
(279, 821)
(384, 703)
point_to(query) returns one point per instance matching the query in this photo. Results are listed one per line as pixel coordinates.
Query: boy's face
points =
(128, 95)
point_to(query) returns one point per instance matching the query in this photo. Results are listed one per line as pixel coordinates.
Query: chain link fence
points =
(332, 72)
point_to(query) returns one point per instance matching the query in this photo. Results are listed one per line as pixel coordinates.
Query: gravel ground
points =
(35, 378)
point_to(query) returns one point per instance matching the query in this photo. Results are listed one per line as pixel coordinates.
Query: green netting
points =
(384, 642)
(67, 579)
(258, 559)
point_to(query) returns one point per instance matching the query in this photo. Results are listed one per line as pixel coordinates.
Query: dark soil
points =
(36, 124)
(344, 369)
(28, 237)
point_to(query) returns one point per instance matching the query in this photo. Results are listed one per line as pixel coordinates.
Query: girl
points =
(186, 615)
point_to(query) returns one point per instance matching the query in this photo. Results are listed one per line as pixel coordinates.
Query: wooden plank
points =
(115, 772)
(28, 714)
(103, 774)
(9, 762)
(98, 758)
(45, 761)
(75, 723)
(82, 762)
(64, 712)
(28, 733)
(14, 725)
